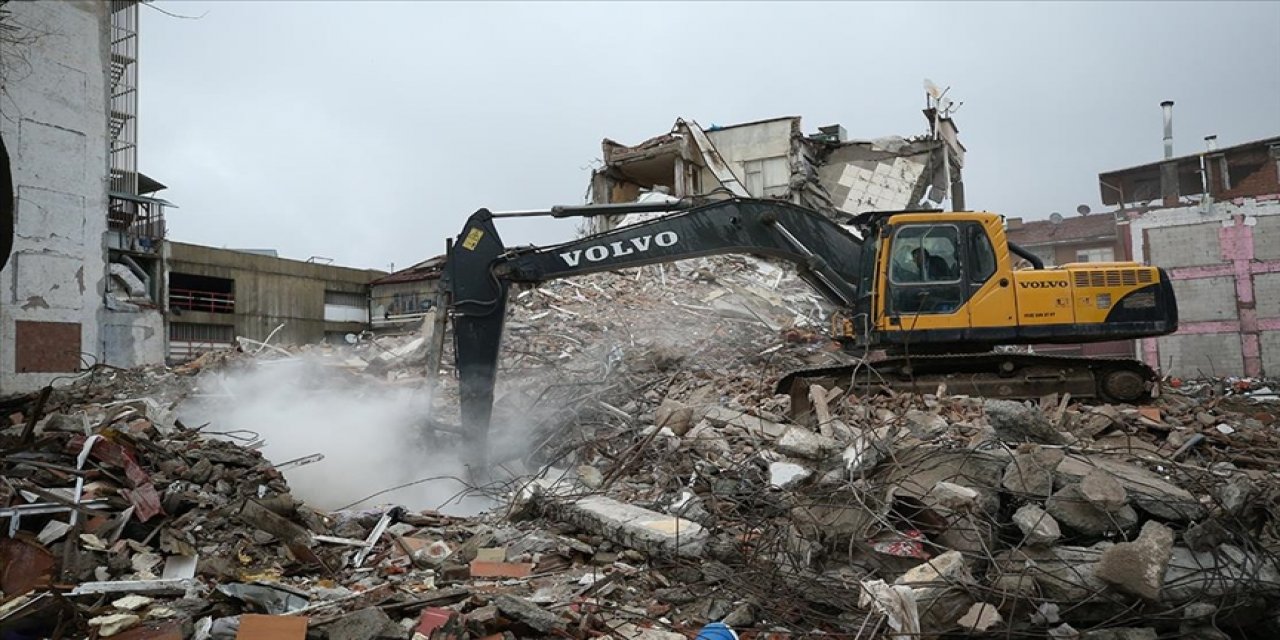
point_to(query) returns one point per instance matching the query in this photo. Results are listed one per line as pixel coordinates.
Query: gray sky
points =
(367, 132)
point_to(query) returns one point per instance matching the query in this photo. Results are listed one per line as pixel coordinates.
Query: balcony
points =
(135, 223)
(208, 301)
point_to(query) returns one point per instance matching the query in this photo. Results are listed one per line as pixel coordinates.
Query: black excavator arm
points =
(480, 269)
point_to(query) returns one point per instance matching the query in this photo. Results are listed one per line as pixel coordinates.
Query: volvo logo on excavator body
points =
(1044, 284)
(600, 252)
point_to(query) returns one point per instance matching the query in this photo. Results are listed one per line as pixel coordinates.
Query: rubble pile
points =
(651, 483)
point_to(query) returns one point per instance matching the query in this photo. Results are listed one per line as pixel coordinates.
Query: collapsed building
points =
(774, 158)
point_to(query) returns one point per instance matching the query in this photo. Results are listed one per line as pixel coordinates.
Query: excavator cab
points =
(947, 282)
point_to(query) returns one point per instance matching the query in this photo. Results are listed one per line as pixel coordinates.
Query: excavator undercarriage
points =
(991, 375)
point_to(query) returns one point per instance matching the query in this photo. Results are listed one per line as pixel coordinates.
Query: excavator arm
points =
(480, 269)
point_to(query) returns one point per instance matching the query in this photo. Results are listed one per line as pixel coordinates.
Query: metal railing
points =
(141, 224)
(210, 301)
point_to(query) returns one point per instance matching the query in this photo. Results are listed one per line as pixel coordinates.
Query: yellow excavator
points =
(925, 296)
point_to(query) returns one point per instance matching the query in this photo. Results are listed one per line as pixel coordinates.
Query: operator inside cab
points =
(925, 271)
(921, 266)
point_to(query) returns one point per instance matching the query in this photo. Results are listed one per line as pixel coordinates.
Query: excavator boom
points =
(480, 269)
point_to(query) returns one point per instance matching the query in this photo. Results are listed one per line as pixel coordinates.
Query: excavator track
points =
(991, 375)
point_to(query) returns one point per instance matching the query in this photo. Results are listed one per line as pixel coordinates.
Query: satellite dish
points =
(1055, 217)
(351, 338)
(932, 89)
(1083, 210)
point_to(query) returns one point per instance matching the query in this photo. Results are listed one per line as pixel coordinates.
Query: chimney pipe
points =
(1211, 143)
(1167, 105)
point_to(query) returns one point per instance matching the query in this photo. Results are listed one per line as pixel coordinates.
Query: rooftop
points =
(425, 270)
(1075, 228)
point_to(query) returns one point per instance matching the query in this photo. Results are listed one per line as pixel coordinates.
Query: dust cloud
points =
(370, 435)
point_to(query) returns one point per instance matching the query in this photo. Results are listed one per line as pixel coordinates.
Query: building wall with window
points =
(216, 295)
(54, 121)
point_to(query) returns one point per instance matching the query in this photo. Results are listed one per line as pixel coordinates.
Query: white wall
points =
(759, 155)
(54, 122)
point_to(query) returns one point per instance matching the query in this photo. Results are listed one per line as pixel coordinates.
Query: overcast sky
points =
(367, 132)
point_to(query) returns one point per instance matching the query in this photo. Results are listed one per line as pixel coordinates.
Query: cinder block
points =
(1190, 245)
(1266, 294)
(1193, 356)
(1266, 238)
(1270, 352)
(1206, 299)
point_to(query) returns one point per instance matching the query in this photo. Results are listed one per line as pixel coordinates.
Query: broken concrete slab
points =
(1147, 490)
(946, 569)
(530, 614)
(1038, 527)
(1103, 491)
(917, 471)
(980, 617)
(952, 496)
(802, 443)
(1069, 507)
(785, 475)
(1224, 571)
(1016, 422)
(751, 424)
(112, 624)
(635, 527)
(1062, 573)
(1030, 473)
(1138, 568)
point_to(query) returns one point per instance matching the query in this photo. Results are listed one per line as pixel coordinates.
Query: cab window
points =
(925, 254)
(984, 256)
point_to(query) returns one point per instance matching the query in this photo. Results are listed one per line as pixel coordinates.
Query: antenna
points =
(1055, 218)
(932, 89)
(1084, 210)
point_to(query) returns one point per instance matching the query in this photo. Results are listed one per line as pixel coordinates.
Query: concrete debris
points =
(1070, 507)
(785, 475)
(654, 482)
(802, 443)
(1138, 567)
(1040, 529)
(981, 617)
(1103, 491)
(112, 624)
(1016, 422)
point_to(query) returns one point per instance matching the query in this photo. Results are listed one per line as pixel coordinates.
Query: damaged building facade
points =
(88, 278)
(216, 295)
(774, 158)
(56, 71)
(1212, 220)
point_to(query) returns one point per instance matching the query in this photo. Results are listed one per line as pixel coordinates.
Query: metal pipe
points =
(1167, 105)
(1036, 262)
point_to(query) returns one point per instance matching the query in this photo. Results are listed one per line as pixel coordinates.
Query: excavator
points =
(924, 297)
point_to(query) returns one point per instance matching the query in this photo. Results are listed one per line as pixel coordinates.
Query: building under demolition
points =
(774, 158)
